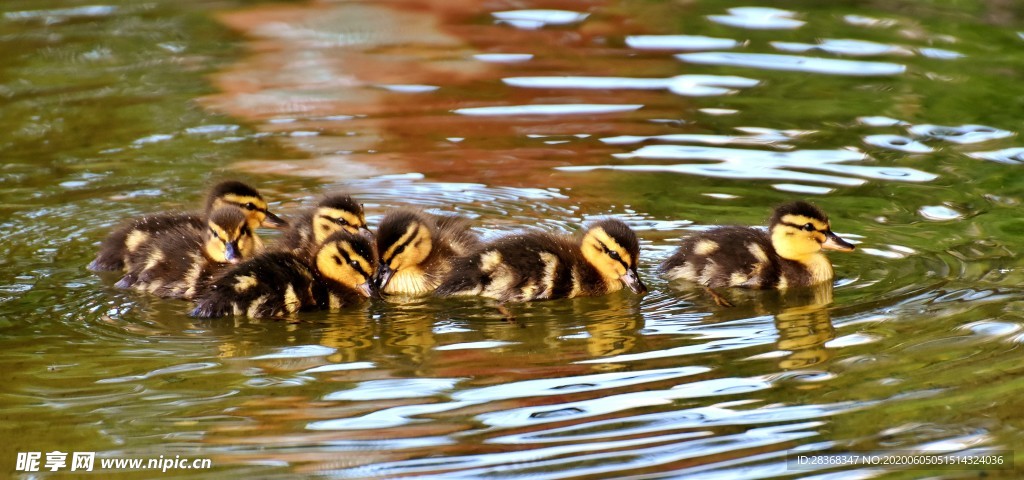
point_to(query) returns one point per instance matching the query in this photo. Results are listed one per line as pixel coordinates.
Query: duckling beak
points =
(231, 253)
(365, 289)
(273, 221)
(632, 280)
(382, 277)
(833, 242)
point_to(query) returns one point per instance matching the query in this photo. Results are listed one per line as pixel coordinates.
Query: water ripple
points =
(765, 61)
(583, 383)
(1009, 156)
(962, 134)
(534, 19)
(563, 109)
(687, 85)
(395, 388)
(679, 42)
(758, 18)
(853, 48)
(898, 142)
(761, 164)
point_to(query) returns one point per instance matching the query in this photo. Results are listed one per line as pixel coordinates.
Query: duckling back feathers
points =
(271, 284)
(129, 236)
(523, 267)
(539, 266)
(280, 283)
(180, 261)
(787, 255)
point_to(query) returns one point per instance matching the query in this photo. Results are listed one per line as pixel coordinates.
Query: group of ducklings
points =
(328, 258)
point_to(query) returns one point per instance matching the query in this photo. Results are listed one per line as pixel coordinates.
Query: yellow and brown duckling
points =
(541, 266)
(789, 254)
(332, 214)
(133, 234)
(180, 261)
(416, 250)
(280, 283)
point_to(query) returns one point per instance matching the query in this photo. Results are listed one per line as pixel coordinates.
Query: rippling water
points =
(900, 119)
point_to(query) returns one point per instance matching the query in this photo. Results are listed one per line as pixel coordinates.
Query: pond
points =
(900, 119)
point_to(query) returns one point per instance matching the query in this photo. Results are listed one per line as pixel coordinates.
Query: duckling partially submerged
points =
(132, 235)
(181, 260)
(280, 283)
(788, 255)
(416, 250)
(541, 266)
(332, 214)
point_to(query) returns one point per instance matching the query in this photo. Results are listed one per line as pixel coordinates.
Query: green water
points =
(117, 109)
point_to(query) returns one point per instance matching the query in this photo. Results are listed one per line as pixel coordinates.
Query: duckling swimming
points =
(181, 260)
(131, 235)
(279, 283)
(789, 254)
(541, 266)
(332, 214)
(416, 250)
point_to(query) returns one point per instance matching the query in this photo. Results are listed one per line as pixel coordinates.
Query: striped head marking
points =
(613, 249)
(348, 259)
(337, 213)
(404, 241)
(228, 238)
(800, 230)
(245, 198)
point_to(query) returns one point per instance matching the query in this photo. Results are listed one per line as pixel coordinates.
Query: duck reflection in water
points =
(804, 326)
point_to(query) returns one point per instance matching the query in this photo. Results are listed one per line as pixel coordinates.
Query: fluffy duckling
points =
(182, 260)
(131, 235)
(279, 283)
(332, 214)
(541, 266)
(416, 249)
(789, 254)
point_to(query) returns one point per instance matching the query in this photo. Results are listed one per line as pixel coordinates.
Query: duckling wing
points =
(165, 263)
(725, 257)
(268, 285)
(131, 235)
(299, 234)
(454, 233)
(514, 269)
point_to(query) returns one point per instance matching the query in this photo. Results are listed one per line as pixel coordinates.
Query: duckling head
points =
(336, 213)
(348, 259)
(242, 196)
(613, 249)
(228, 238)
(800, 231)
(404, 241)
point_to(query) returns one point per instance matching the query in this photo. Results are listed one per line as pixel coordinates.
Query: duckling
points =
(333, 213)
(279, 283)
(131, 235)
(180, 261)
(416, 249)
(787, 255)
(541, 266)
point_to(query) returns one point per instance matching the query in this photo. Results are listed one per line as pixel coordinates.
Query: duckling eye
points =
(250, 206)
(341, 221)
(614, 255)
(809, 227)
(354, 264)
(398, 251)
